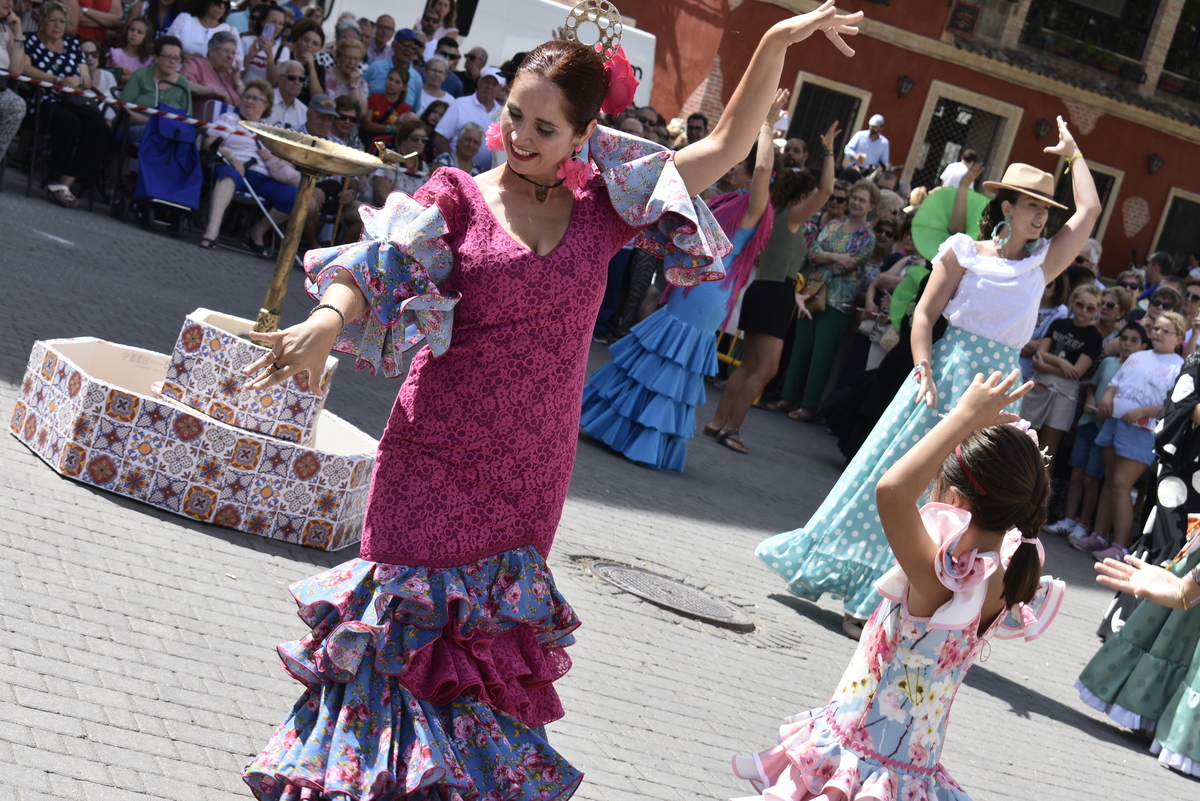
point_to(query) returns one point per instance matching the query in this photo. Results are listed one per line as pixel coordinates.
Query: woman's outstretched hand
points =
(1066, 146)
(778, 107)
(1141, 580)
(301, 348)
(824, 19)
(985, 399)
(830, 136)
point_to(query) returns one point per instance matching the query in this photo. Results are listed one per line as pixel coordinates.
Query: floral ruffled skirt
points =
(424, 684)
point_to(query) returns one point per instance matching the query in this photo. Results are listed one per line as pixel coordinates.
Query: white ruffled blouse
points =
(997, 298)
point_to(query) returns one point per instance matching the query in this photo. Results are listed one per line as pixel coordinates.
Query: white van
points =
(505, 27)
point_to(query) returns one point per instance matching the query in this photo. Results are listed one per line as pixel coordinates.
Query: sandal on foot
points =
(208, 244)
(262, 251)
(711, 431)
(780, 405)
(803, 415)
(852, 626)
(732, 440)
(61, 194)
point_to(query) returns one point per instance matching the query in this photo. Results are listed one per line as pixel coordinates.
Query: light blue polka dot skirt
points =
(843, 550)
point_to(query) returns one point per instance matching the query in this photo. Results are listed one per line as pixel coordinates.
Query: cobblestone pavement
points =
(136, 652)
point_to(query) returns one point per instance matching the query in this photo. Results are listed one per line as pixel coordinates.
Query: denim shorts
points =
(1131, 442)
(1086, 453)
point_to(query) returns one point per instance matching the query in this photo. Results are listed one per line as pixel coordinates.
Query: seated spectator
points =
(447, 48)
(196, 26)
(104, 83)
(306, 42)
(159, 83)
(347, 27)
(134, 51)
(410, 174)
(345, 124)
(345, 77)
(96, 18)
(470, 138)
(248, 162)
(287, 109)
(260, 54)
(380, 47)
(214, 77)
(476, 108)
(473, 63)
(159, 14)
(78, 137)
(321, 113)
(385, 109)
(12, 58)
(432, 115)
(436, 70)
(406, 46)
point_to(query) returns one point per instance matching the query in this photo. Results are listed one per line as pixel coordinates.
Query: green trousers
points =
(817, 340)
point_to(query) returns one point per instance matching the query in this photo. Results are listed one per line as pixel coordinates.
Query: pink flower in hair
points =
(575, 172)
(1026, 428)
(622, 84)
(494, 137)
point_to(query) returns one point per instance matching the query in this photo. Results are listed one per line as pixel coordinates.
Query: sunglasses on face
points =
(253, 99)
(1165, 305)
(1130, 287)
(347, 118)
(1110, 304)
(448, 56)
(885, 232)
(836, 199)
(472, 57)
(1087, 307)
(1193, 298)
(431, 20)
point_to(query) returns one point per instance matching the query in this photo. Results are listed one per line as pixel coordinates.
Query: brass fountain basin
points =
(311, 154)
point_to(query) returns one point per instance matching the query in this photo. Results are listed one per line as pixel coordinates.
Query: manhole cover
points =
(674, 595)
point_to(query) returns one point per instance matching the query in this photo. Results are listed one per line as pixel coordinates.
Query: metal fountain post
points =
(313, 157)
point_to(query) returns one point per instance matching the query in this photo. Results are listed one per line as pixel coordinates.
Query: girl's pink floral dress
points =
(880, 736)
(430, 665)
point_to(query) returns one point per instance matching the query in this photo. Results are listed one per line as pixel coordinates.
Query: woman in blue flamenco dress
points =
(642, 404)
(429, 669)
(989, 292)
(967, 573)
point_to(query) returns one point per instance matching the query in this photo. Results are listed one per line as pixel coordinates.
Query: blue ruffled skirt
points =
(424, 684)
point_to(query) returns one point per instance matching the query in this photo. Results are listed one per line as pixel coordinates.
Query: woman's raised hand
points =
(973, 173)
(303, 347)
(1140, 580)
(985, 399)
(1066, 146)
(825, 19)
(776, 112)
(830, 136)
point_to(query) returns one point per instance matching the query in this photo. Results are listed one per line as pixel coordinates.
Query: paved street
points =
(137, 648)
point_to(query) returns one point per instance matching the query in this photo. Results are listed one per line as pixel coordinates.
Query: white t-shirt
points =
(1145, 379)
(953, 174)
(195, 36)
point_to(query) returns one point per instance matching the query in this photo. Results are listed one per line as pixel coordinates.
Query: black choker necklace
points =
(542, 189)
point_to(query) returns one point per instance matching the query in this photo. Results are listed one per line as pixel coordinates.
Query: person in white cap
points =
(475, 108)
(869, 148)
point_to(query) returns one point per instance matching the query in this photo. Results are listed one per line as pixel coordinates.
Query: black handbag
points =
(83, 106)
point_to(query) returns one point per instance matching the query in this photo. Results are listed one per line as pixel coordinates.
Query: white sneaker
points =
(1062, 527)
(1079, 532)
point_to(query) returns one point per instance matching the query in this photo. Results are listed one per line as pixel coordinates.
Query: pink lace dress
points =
(431, 661)
(880, 737)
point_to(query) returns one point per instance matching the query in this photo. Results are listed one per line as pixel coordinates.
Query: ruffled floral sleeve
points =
(648, 193)
(400, 265)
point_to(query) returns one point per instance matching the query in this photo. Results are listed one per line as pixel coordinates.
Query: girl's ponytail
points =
(1007, 487)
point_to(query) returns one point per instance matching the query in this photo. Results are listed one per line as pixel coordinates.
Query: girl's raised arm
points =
(702, 163)
(902, 486)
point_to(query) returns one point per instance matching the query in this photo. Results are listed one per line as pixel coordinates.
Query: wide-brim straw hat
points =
(1027, 180)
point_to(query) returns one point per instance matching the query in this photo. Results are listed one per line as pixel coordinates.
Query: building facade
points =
(991, 75)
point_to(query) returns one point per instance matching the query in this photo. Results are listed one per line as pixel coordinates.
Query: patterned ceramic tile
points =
(182, 460)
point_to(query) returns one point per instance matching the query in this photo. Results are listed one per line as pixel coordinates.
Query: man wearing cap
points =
(322, 111)
(475, 108)
(406, 46)
(287, 111)
(869, 148)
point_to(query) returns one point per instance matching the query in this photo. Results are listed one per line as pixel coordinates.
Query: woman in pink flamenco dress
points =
(430, 666)
(967, 573)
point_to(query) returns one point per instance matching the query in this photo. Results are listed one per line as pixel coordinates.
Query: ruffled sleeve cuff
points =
(400, 264)
(648, 192)
(963, 247)
(1031, 619)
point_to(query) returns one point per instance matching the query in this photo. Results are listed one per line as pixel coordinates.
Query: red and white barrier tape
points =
(88, 93)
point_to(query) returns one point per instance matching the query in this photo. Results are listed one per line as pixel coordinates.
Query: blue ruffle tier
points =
(424, 684)
(643, 403)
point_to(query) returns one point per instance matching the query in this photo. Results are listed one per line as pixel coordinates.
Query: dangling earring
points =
(575, 171)
(1001, 241)
(1032, 244)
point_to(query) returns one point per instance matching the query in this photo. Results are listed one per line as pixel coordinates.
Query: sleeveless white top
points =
(996, 298)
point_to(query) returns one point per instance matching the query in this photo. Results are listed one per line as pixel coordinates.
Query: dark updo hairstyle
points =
(1009, 467)
(790, 186)
(577, 71)
(993, 215)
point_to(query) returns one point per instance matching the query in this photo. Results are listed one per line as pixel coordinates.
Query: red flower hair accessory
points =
(622, 84)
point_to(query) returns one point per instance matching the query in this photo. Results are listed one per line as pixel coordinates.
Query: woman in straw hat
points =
(989, 292)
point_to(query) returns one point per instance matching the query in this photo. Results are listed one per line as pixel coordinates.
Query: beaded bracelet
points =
(339, 312)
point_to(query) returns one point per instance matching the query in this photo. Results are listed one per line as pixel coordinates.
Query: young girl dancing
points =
(968, 572)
